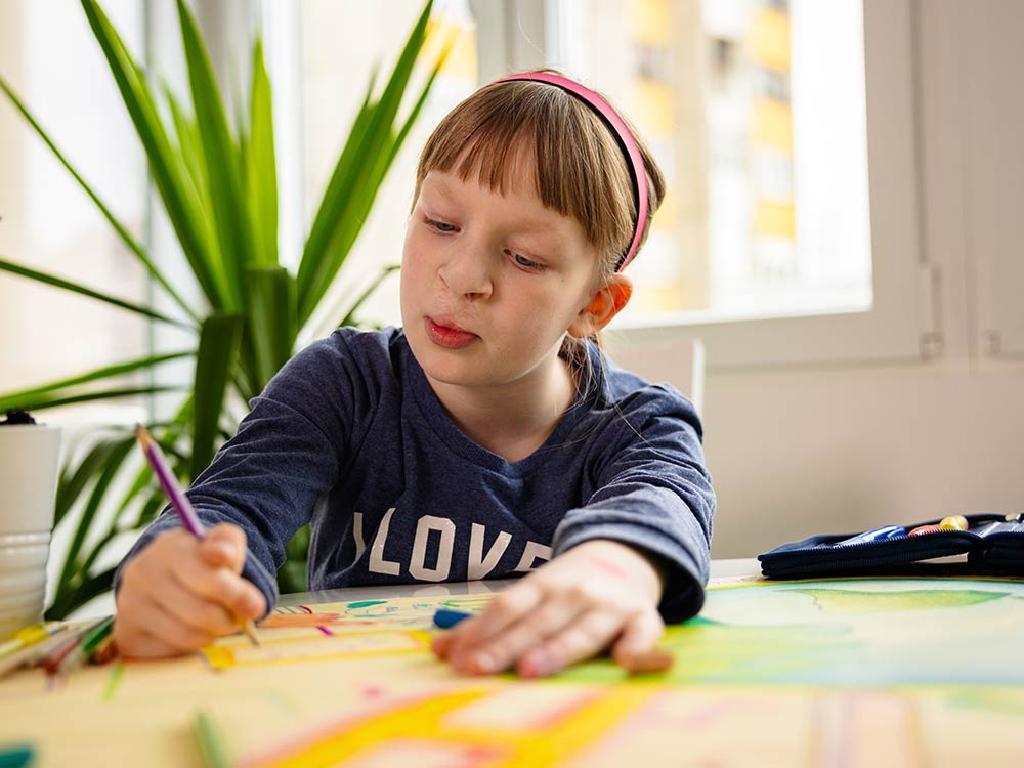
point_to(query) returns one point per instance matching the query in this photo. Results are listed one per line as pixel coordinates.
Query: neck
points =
(514, 419)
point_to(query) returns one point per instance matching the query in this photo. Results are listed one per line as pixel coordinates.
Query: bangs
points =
(533, 138)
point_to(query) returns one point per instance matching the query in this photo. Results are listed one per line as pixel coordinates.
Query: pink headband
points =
(625, 138)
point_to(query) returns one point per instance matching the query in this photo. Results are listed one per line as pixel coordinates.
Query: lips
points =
(445, 333)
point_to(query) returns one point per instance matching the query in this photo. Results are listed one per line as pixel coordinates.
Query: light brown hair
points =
(581, 170)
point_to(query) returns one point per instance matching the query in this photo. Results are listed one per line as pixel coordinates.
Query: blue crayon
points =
(875, 534)
(446, 618)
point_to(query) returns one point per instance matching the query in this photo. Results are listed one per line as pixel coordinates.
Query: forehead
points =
(508, 168)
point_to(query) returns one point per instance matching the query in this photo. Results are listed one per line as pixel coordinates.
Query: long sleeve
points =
(267, 478)
(654, 492)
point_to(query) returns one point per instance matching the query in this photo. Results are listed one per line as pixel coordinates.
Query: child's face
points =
(491, 283)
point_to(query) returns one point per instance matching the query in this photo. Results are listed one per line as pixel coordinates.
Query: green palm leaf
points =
(121, 230)
(73, 479)
(230, 215)
(80, 591)
(353, 187)
(325, 221)
(67, 285)
(166, 166)
(272, 327)
(191, 149)
(218, 349)
(13, 400)
(61, 398)
(117, 455)
(260, 164)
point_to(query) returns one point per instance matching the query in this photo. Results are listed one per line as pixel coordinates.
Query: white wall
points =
(819, 449)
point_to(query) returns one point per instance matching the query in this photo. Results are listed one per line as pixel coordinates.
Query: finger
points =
(648, 662)
(224, 545)
(499, 652)
(441, 644)
(128, 636)
(181, 637)
(502, 611)
(143, 628)
(238, 596)
(179, 565)
(634, 651)
(199, 613)
(130, 619)
(142, 645)
(587, 636)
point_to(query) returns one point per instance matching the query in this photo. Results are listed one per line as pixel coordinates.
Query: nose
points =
(465, 273)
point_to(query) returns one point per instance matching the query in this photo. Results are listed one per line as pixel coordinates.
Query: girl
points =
(486, 436)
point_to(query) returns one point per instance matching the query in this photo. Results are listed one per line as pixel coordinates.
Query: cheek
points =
(541, 318)
(408, 246)
(415, 257)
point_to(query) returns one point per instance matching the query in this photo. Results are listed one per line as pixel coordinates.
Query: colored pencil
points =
(30, 653)
(278, 620)
(23, 638)
(53, 660)
(80, 652)
(211, 745)
(179, 502)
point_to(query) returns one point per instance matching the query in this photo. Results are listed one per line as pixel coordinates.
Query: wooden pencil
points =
(179, 502)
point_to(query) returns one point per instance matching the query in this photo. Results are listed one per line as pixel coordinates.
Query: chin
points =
(448, 368)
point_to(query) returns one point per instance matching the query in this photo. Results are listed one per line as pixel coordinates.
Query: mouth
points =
(444, 333)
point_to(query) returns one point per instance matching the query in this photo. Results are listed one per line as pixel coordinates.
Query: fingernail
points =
(440, 646)
(483, 661)
(650, 661)
(540, 664)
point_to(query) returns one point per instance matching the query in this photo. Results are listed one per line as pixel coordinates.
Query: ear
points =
(604, 304)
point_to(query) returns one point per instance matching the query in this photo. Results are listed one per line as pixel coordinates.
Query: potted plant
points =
(218, 187)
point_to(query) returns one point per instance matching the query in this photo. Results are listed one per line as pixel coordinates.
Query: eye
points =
(440, 226)
(523, 262)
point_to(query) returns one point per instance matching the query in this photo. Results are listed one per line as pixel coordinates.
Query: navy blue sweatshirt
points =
(350, 437)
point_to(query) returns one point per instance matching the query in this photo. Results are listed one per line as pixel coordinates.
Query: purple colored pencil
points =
(179, 501)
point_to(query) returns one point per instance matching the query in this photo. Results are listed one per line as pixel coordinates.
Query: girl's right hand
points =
(181, 593)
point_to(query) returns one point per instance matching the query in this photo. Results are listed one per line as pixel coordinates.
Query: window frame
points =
(902, 321)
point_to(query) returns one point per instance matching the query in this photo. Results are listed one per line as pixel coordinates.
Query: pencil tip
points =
(250, 630)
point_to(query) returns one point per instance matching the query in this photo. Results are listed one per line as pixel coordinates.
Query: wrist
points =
(628, 561)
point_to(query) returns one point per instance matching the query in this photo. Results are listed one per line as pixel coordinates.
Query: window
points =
(755, 111)
(50, 58)
(768, 117)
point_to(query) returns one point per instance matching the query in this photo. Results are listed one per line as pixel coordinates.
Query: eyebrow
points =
(528, 225)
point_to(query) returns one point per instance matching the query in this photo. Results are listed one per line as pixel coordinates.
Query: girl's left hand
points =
(597, 594)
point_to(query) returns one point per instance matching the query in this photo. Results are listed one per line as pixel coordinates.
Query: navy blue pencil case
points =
(992, 544)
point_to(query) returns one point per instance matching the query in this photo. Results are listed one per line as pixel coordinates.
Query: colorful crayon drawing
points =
(853, 672)
(842, 632)
(362, 628)
(850, 656)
